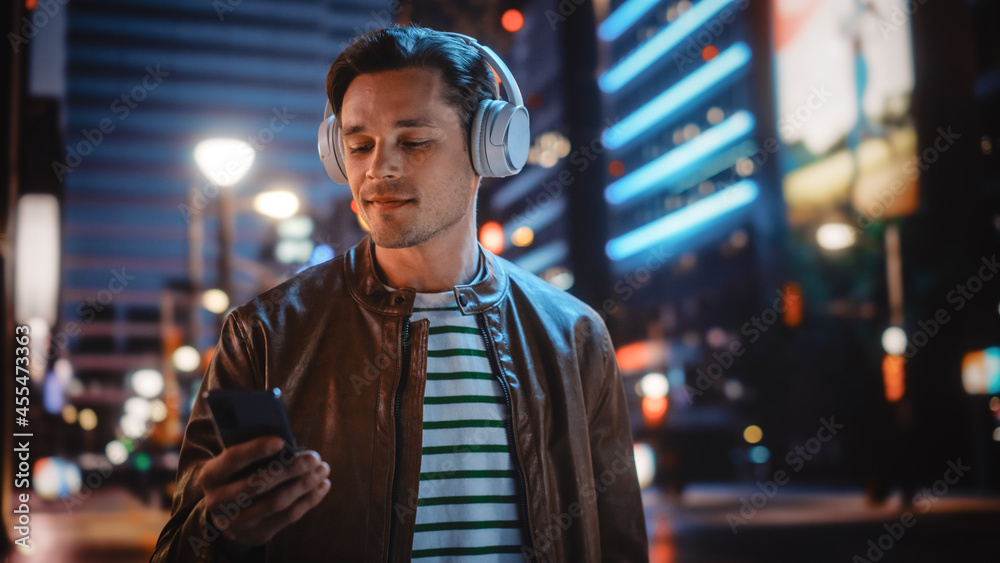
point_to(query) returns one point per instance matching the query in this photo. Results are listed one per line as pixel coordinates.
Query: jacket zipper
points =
(398, 410)
(509, 426)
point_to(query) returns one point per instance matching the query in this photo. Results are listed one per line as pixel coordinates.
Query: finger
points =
(274, 524)
(274, 476)
(280, 498)
(265, 480)
(231, 461)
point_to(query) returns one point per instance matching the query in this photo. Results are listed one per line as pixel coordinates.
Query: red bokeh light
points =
(491, 237)
(512, 20)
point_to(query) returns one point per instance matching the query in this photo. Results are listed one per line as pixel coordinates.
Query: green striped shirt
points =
(467, 505)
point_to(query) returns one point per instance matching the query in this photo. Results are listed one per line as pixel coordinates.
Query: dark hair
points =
(466, 74)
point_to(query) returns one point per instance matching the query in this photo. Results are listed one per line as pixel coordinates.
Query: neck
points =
(434, 266)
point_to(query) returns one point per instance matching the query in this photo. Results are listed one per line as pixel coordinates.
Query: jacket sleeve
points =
(619, 502)
(188, 536)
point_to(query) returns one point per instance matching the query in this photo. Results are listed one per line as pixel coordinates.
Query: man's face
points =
(406, 157)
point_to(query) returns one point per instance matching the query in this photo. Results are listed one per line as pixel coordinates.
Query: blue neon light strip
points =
(682, 160)
(678, 97)
(682, 221)
(623, 18)
(661, 44)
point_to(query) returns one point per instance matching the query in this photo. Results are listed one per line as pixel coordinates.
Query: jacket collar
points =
(369, 291)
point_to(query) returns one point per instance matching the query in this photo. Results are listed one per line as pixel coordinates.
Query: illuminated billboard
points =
(844, 82)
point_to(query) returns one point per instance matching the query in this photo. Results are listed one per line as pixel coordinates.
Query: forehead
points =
(409, 93)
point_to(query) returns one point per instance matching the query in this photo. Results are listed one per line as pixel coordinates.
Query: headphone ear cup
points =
(503, 140)
(476, 136)
(331, 151)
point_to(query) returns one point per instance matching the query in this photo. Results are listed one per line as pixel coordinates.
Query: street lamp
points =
(224, 162)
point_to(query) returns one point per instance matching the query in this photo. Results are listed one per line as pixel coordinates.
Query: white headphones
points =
(499, 139)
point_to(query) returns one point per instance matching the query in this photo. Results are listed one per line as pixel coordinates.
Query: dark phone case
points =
(242, 415)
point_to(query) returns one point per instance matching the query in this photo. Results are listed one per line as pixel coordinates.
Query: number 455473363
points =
(21, 375)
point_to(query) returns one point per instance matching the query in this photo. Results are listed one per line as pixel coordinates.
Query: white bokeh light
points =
(147, 383)
(132, 426)
(894, 340)
(186, 358)
(654, 385)
(835, 236)
(277, 204)
(117, 452)
(645, 463)
(157, 410)
(139, 407)
(215, 300)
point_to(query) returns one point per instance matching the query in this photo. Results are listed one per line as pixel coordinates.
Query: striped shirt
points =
(467, 504)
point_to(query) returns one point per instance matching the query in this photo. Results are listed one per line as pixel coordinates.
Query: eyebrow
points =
(401, 124)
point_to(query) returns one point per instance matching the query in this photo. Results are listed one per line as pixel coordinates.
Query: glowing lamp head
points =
(224, 161)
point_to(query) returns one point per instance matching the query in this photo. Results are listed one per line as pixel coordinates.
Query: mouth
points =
(387, 203)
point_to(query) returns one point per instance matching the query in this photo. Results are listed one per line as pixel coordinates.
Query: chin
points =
(395, 240)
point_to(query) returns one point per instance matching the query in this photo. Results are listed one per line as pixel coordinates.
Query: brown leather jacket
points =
(349, 364)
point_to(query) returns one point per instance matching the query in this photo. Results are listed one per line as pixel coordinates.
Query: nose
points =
(386, 162)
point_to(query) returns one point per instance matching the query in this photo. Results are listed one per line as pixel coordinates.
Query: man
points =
(457, 406)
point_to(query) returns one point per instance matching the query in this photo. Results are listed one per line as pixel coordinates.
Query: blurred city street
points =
(797, 525)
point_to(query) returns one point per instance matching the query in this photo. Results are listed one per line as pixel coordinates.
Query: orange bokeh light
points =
(512, 20)
(491, 237)
(793, 304)
(616, 168)
(709, 52)
(641, 355)
(654, 410)
(894, 377)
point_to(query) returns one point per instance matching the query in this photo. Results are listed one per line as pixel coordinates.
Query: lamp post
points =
(224, 162)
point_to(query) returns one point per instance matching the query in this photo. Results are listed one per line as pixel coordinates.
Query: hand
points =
(249, 510)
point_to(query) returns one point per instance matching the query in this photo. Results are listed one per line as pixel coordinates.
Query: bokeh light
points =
(56, 478)
(491, 237)
(522, 236)
(224, 161)
(835, 236)
(116, 451)
(759, 454)
(753, 434)
(894, 340)
(512, 20)
(157, 410)
(654, 385)
(147, 382)
(215, 300)
(645, 463)
(186, 358)
(69, 414)
(277, 204)
(87, 419)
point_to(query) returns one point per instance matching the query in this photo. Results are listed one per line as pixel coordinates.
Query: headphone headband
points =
(507, 81)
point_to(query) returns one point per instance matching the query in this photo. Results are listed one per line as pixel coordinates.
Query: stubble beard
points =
(388, 234)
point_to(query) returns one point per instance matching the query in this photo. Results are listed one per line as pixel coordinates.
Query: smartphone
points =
(242, 415)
